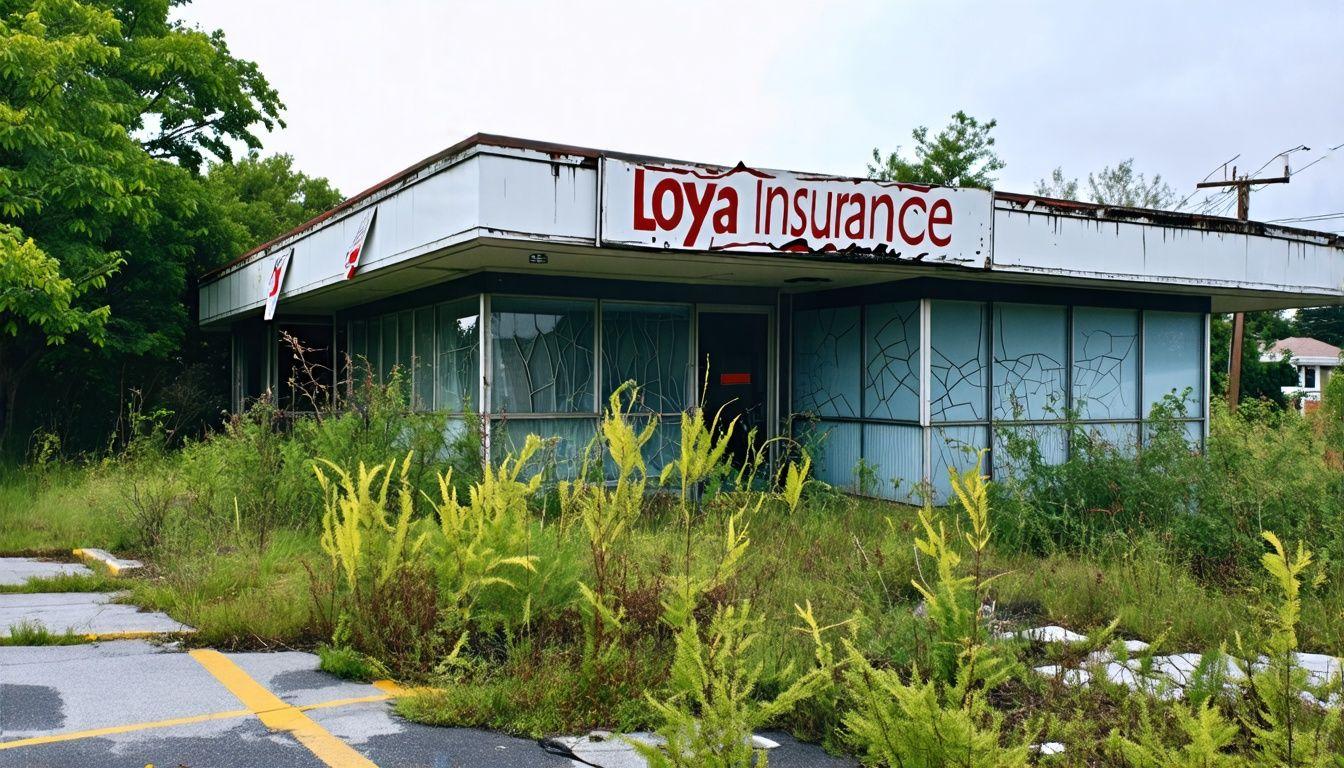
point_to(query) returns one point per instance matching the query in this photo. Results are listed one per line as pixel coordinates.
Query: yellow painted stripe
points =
(390, 688)
(76, 735)
(279, 716)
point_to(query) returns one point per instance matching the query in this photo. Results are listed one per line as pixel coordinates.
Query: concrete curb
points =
(114, 565)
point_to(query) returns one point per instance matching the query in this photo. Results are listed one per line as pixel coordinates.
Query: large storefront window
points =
(1012, 375)
(650, 344)
(542, 351)
(457, 376)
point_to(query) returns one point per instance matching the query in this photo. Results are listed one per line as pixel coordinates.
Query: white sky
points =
(372, 87)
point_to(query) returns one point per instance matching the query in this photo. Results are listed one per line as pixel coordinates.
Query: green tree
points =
(1258, 379)
(1057, 186)
(107, 109)
(266, 197)
(1111, 186)
(960, 155)
(1320, 323)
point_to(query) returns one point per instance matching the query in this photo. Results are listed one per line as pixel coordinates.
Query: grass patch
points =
(32, 633)
(66, 582)
(348, 664)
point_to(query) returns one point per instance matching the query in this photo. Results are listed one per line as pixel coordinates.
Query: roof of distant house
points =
(1303, 348)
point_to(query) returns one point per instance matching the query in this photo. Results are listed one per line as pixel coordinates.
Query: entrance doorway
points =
(736, 347)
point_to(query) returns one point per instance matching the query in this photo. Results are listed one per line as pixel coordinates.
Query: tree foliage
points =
(1321, 323)
(960, 155)
(265, 196)
(1120, 186)
(108, 112)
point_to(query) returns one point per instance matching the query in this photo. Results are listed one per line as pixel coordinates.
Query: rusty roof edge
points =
(1093, 210)
(1158, 217)
(406, 174)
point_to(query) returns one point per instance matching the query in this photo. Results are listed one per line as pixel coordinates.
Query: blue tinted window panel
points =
(958, 361)
(834, 447)
(1173, 359)
(826, 375)
(649, 344)
(423, 361)
(406, 345)
(1123, 438)
(891, 378)
(1014, 446)
(1192, 431)
(568, 441)
(388, 351)
(457, 369)
(1030, 352)
(953, 448)
(359, 350)
(896, 452)
(542, 355)
(1106, 363)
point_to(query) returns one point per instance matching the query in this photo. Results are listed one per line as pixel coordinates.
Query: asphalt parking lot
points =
(132, 703)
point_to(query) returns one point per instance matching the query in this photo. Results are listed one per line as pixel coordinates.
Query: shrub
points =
(940, 715)
(711, 712)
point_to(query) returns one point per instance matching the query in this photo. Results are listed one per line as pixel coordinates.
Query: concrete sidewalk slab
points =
(82, 613)
(115, 565)
(146, 692)
(16, 571)
(102, 685)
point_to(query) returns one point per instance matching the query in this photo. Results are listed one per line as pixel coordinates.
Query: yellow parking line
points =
(279, 716)
(76, 735)
(390, 688)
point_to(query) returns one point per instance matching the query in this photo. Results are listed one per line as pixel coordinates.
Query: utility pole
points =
(1243, 186)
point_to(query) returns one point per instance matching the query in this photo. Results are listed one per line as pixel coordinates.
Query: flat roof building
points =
(893, 327)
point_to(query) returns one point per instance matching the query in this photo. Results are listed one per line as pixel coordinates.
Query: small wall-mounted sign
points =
(353, 253)
(537, 258)
(277, 281)
(732, 379)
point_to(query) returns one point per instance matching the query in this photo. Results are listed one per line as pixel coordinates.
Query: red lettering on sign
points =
(643, 222)
(912, 239)
(667, 187)
(940, 213)
(730, 379)
(699, 209)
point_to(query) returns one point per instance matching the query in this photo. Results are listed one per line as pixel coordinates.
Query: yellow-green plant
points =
(365, 543)
(942, 716)
(953, 599)
(485, 542)
(1285, 729)
(795, 478)
(606, 513)
(702, 455)
(712, 709)
(1205, 735)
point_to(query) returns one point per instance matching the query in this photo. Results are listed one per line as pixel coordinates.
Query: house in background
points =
(1314, 361)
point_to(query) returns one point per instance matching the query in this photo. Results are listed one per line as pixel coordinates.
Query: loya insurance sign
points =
(670, 206)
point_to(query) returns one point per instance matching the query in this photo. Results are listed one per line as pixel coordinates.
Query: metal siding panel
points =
(896, 452)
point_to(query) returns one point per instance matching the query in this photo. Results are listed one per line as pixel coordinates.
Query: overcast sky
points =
(372, 87)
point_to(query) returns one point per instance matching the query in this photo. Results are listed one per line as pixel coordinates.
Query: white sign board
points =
(279, 266)
(667, 206)
(357, 243)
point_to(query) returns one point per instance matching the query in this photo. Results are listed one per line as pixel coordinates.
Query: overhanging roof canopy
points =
(489, 202)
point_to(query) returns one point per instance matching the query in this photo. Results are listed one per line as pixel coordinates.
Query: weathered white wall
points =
(1077, 246)
(543, 197)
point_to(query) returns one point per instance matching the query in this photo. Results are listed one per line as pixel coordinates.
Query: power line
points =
(1314, 217)
(1224, 165)
(1328, 153)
